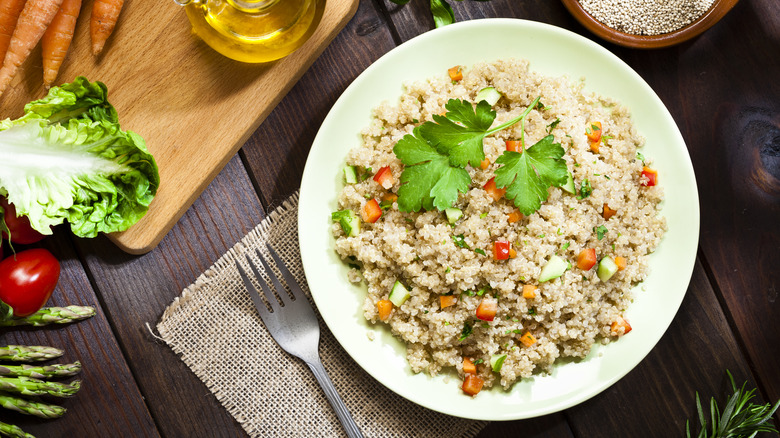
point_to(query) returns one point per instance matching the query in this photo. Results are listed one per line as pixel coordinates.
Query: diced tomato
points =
(492, 190)
(501, 250)
(385, 177)
(649, 177)
(447, 300)
(527, 339)
(619, 324)
(472, 384)
(593, 131)
(515, 216)
(512, 253)
(607, 212)
(384, 307)
(484, 164)
(586, 259)
(487, 309)
(456, 73)
(529, 291)
(514, 145)
(468, 366)
(371, 212)
(620, 262)
(594, 146)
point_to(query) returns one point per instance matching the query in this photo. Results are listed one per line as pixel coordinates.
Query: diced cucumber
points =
(350, 175)
(569, 185)
(453, 214)
(399, 294)
(489, 95)
(497, 361)
(607, 268)
(554, 268)
(348, 220)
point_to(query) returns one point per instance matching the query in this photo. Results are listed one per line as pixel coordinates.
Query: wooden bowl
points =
(718, 9)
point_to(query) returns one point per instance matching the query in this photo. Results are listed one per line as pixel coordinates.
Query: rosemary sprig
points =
(739, 418)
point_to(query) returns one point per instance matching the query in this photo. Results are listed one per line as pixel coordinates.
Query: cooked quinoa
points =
(568, 314)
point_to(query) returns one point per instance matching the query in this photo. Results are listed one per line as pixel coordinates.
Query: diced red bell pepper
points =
(384, 177)
(501, 250)
(514, 145)
(587, 259)
(468, 366)
(514, 216)
(649, 176)
(447, 300)
(484, 164)
(494, 191)
(371, 212)
(487, 309)
(472, 384)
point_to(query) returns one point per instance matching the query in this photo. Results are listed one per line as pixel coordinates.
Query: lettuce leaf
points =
(66, 159)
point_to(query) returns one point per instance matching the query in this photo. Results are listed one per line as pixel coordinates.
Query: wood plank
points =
(549, 426)
(109, 399)
(414, 18)
(136, 290)
(277, 151)
(659, 394)
(193, 106)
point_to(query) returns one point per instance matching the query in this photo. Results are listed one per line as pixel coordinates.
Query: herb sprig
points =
(739, 417)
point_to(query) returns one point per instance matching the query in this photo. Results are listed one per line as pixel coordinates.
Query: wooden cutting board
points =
(194, 107)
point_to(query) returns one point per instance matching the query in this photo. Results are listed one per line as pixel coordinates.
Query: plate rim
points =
(686, 266)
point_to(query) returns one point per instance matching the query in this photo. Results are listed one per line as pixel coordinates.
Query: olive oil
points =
(253, 30)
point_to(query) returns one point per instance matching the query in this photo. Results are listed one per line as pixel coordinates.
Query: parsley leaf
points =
(585, 189)
(601, 231)
(460, 241)
(529, 174)
(428, 180)
(442, 13)
(466, 332)
(462, 142)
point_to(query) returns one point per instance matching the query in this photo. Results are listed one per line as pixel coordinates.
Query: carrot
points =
(9, 14)
(56, 40)
(102, 22)
(529, 291)
(384, 307)
(33, 21)
(447, 300)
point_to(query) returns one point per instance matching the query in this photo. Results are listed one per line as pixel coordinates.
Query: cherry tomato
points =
(28, 279)
(21, 231)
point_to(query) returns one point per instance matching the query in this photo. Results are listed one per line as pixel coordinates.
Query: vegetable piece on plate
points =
(32, 23)
(621, 263)
(472, 384)
(27, 280)
(456, 73)
(497, 361)
(553, 269)
(502, 250)
(529, 291)
(649, 177)
(384, 177)
(492, 190)
(57, 38)
(17, 228)
(371, 211)
(9, 14)
(489, 95)
(587, 259)
(514, 146)
(514, 216)
(384, 307)
(468, 366)
(105, 14)
(487, 309)
(620, 327)
(607, 212)
(447, 301)
(399, 294)
(527, 339)
(68, 159)
(607, 268)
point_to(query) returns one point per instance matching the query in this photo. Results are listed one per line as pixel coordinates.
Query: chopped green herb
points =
(478, 361)
(601, 231)
(425, 312)
(518, 331)
(607, 177)
(480, 292)
(367, 196)
(613, 247)
(539, 105)
(541, 236)
(485, 325)
(552, 125)
(446, 323)
(576, 164)
(522, 278)
(565, 246)
(507, 317)
(460, 241)
(386, 205)
(532, 311)
(407, 219)
(483, 215)
(596, 174)
(480, 251)
(640, 157)
(515, 320)
(447, 271)
(559, 232)
(585, 189)
(466, 332)
(415, 121)
(584, 278)
(508, 332)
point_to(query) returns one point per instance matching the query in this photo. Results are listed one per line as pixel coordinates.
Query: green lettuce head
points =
(66, 159)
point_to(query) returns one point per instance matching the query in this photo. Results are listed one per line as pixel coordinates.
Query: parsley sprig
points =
(436, 153)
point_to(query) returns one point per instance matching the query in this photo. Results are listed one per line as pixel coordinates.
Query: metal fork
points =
(293, 325)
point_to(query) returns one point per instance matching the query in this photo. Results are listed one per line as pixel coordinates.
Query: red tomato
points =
(593, 131)
(28, 279)
(371, 212)
(492, 190)
(651, 175)
(501, 250)
(21, 231)
(472, 384)
(487, 309)
(587, 259)
(384, 177)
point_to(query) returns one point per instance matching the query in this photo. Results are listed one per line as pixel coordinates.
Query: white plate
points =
(554, 52)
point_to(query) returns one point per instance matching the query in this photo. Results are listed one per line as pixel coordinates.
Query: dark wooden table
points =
(723, 90)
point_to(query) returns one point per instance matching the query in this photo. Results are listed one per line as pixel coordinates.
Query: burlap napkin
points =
(219, 335)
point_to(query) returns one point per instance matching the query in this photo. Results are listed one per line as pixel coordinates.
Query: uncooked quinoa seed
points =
(433, 257)
(646, 17)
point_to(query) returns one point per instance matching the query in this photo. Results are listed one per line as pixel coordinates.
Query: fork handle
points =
(333, 397)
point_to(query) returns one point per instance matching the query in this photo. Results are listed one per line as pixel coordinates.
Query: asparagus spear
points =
(51, 315)
(26, 353)
(41, 371)
(13, 431)
(29, 407)
(31, 386)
